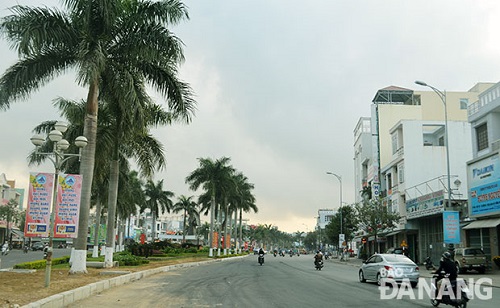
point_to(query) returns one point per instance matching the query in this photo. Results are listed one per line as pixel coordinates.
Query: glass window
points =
(482, 137)
(464, 102)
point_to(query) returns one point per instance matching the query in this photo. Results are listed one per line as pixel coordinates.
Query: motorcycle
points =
(458, 300)
(291, 253)
(5, 250)
(261, 259)
(275, 253)
(318, 264)
(428, 264)
(25, 249)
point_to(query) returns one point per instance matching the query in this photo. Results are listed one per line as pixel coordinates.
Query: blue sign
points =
(451, 227)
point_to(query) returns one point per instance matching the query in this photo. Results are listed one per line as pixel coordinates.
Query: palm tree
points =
(157, 200)
(212, 175)
(102, 40)
(189, 207)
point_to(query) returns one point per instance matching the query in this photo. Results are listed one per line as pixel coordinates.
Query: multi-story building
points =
(483, 172)
(9, 192)
(406, 163)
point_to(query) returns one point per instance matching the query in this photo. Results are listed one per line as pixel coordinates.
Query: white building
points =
(483, 172)
(405, 163)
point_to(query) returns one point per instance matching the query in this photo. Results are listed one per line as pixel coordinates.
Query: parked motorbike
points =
(428, 264)
(261, 259)
(459, 300)
(318, 264)
(5, 250)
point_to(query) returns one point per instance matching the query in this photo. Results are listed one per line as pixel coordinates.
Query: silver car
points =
(389, 268)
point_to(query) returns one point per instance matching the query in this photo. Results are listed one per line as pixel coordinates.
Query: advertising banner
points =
(484, 183)
(425, 205)
(69, 188)
(39, 201)
(451, 227)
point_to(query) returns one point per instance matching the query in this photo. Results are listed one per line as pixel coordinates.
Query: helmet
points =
(447, 255)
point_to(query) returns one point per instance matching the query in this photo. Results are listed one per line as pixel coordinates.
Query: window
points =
(394, 143)
(464, 102)
(401, 173)
(482, 137)
(433, 135)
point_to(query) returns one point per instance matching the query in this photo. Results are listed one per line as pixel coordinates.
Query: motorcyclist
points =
(318, 257)
(5, 248)
(447, 269)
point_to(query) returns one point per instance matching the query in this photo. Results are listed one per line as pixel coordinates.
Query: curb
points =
(71, 296)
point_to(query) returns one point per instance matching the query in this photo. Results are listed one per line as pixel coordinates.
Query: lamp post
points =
(340, 204)
(442, 96)
(58, 158)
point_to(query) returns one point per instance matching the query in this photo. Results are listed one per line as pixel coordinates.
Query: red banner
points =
(69, 189)
(39, 201)
(214, 239)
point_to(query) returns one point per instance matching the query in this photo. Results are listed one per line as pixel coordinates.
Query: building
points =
(483, 173)
(9, 192)
(405, 162)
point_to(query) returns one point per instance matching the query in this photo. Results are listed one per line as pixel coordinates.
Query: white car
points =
(389, 268)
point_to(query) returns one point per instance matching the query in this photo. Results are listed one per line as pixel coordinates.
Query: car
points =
(390, 268)
(37, 246)
(470, 258)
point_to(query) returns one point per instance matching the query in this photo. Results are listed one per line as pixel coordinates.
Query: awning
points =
(483, 223)
(17, 235)
(394, 232)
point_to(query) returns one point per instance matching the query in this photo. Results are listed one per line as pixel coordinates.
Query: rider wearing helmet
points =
(447, 266)
(446, 269)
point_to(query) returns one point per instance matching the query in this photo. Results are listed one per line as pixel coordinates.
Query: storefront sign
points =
(484, 183)
(425, 205)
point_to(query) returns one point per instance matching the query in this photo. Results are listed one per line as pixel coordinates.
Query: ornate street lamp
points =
(58, 158)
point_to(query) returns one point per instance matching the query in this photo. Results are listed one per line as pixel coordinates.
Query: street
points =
(280, 282)
(16, 256)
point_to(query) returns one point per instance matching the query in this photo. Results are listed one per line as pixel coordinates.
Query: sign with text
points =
(39, 200)
(484, 182)
(451, 227)
(69, 188)
(425, 205)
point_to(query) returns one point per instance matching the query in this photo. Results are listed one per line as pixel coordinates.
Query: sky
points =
(280, 86)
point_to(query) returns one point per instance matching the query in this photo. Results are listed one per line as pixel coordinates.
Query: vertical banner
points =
(228, 241)
(40, 190)
(69, 188)
(451, 227)
(214, 239)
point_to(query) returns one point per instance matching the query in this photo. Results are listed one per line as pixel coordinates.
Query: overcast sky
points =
(280, 86)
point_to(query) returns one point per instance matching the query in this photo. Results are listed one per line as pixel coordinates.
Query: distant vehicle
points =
(470, 259)
(37, 246)
(390, 268)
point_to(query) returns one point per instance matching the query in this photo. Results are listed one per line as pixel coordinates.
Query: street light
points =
(442, 96)
(340, 207)
(58, 158)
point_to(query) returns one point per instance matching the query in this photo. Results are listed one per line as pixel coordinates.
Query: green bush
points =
(127, 259)
(40, 264)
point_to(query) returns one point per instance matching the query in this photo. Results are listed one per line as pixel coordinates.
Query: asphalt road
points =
(280, 282)
(16, 256)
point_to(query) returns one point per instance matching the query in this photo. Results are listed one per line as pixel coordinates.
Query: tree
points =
(375, 217)
(350, 224)
(157, 200)
(189, 207)
(9, 213)
(212, 176)
(102, 40)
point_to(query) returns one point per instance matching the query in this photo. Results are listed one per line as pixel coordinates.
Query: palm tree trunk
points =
(95, 251)
(219, 228)
(79, 255)
(240, 239)
(211, 233)
(184, 227)
(153, 227)
(112, 197)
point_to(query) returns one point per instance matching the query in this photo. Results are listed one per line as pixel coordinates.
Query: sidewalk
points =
(494, 275)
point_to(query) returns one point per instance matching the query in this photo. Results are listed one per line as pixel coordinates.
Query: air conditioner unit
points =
(495, 145)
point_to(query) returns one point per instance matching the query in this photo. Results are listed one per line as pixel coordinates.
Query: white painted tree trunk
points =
(79, 262)
(108, 257)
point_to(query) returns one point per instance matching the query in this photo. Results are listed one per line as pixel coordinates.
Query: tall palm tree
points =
(189, 207)
(102, 40)
(211, 175)
(157, 200)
